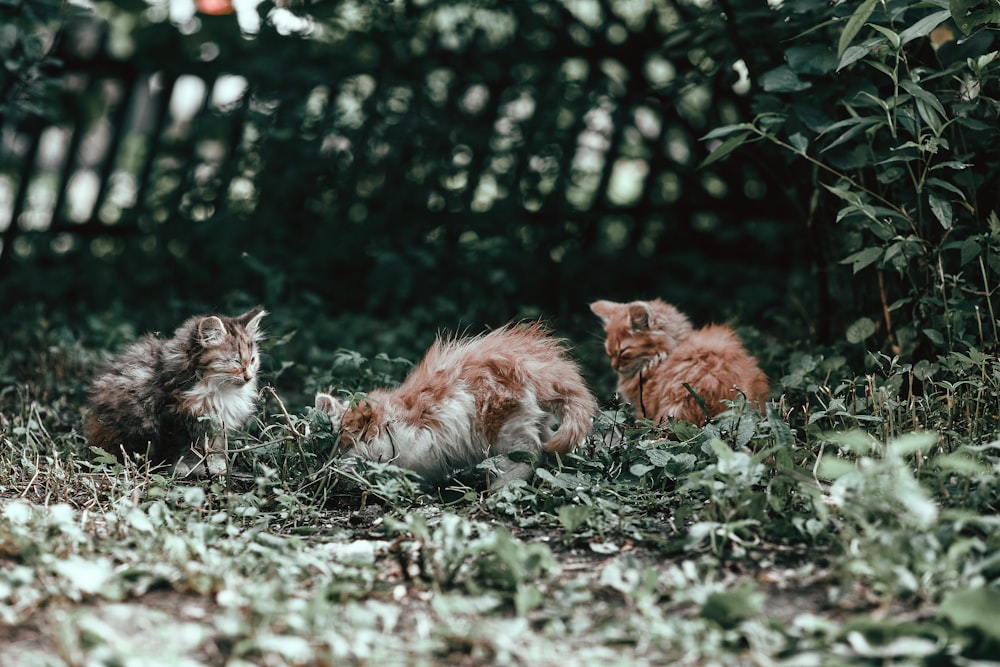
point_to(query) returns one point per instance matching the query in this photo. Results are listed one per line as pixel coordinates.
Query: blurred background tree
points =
(457, 163)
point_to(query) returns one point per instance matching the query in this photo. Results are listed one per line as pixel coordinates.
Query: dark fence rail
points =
(493, 161)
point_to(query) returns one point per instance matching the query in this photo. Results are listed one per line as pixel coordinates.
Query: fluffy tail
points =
(575, 410)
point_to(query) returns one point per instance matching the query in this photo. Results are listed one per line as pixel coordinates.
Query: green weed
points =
(788, 535)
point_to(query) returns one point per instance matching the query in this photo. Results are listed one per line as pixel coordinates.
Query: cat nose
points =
(247, 374)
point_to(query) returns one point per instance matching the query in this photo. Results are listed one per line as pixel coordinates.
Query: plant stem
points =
(836, 173)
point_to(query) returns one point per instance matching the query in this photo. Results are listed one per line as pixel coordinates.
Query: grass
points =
(855, 523)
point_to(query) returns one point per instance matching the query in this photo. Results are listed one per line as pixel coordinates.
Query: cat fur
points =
(176, 399)
(469, 400)
(655, 351)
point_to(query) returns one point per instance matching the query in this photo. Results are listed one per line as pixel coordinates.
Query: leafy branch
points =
(743, 133)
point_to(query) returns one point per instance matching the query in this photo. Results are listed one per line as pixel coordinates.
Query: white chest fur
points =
(232, 404)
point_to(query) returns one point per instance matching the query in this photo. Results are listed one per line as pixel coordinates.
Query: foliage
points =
(26, 44)
(438, 163)
(449, 165)
(897, 126)
(666, 544)
(389, 170)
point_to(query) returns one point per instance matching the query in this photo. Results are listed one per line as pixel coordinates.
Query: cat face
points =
(228, 348)
(639, 331)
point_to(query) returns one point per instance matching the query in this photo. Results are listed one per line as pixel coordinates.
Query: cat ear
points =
(211, 331)
(640, 315)
(250, 320)
(604, 310)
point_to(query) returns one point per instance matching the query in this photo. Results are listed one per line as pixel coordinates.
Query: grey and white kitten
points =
(174, 400)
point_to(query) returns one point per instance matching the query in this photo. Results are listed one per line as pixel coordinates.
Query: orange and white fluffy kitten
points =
(656, 351)
(469, 400)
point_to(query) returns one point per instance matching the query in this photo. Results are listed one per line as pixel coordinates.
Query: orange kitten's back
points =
(500, 368)
(713, 361)
(514, 388)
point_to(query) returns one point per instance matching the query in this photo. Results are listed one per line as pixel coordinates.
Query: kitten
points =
(168, 397)
(469, 400)
(656, 351)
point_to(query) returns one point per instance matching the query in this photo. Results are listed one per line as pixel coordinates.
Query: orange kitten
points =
(656, 351)
(469, 400)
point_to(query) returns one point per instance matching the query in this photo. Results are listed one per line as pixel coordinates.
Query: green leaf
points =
(962, 464)
(945, 185)
(935, 336)
(855, 203)
(139, 520)
(745, 430)
(524, 456)
(291, 649)
(721, 449)
(549, 478)
(911, 443)
(882, 104)
(924, 26)
(860, 126)
(728, 608)
(724, 149)
(640, 469)
(856, 440)
(952, 164)
(800, 141)
(854, 24)
(970, 249)
(86, 575)
(941, 208)
(782, 433)
(727, 130)
(833, 467)
(914, 88)
(975, 608)
(855, 53)
(889, 35)
(573, 516)
(972, 14)
(860, 330)
(527, 597)
(811, 59)
(862, 258)
(930, 117)
(783, 80)
(885, 69)
(672, 465)
(854, 127)
(659, 458)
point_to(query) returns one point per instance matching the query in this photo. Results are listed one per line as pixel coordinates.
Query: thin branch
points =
(888, 204)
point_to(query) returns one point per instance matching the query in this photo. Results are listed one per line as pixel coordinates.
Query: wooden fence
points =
(580, 156)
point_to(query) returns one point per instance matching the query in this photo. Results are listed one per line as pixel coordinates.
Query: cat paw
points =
(510, 472)
(185, 469)
(212, 466)
(216, 465)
